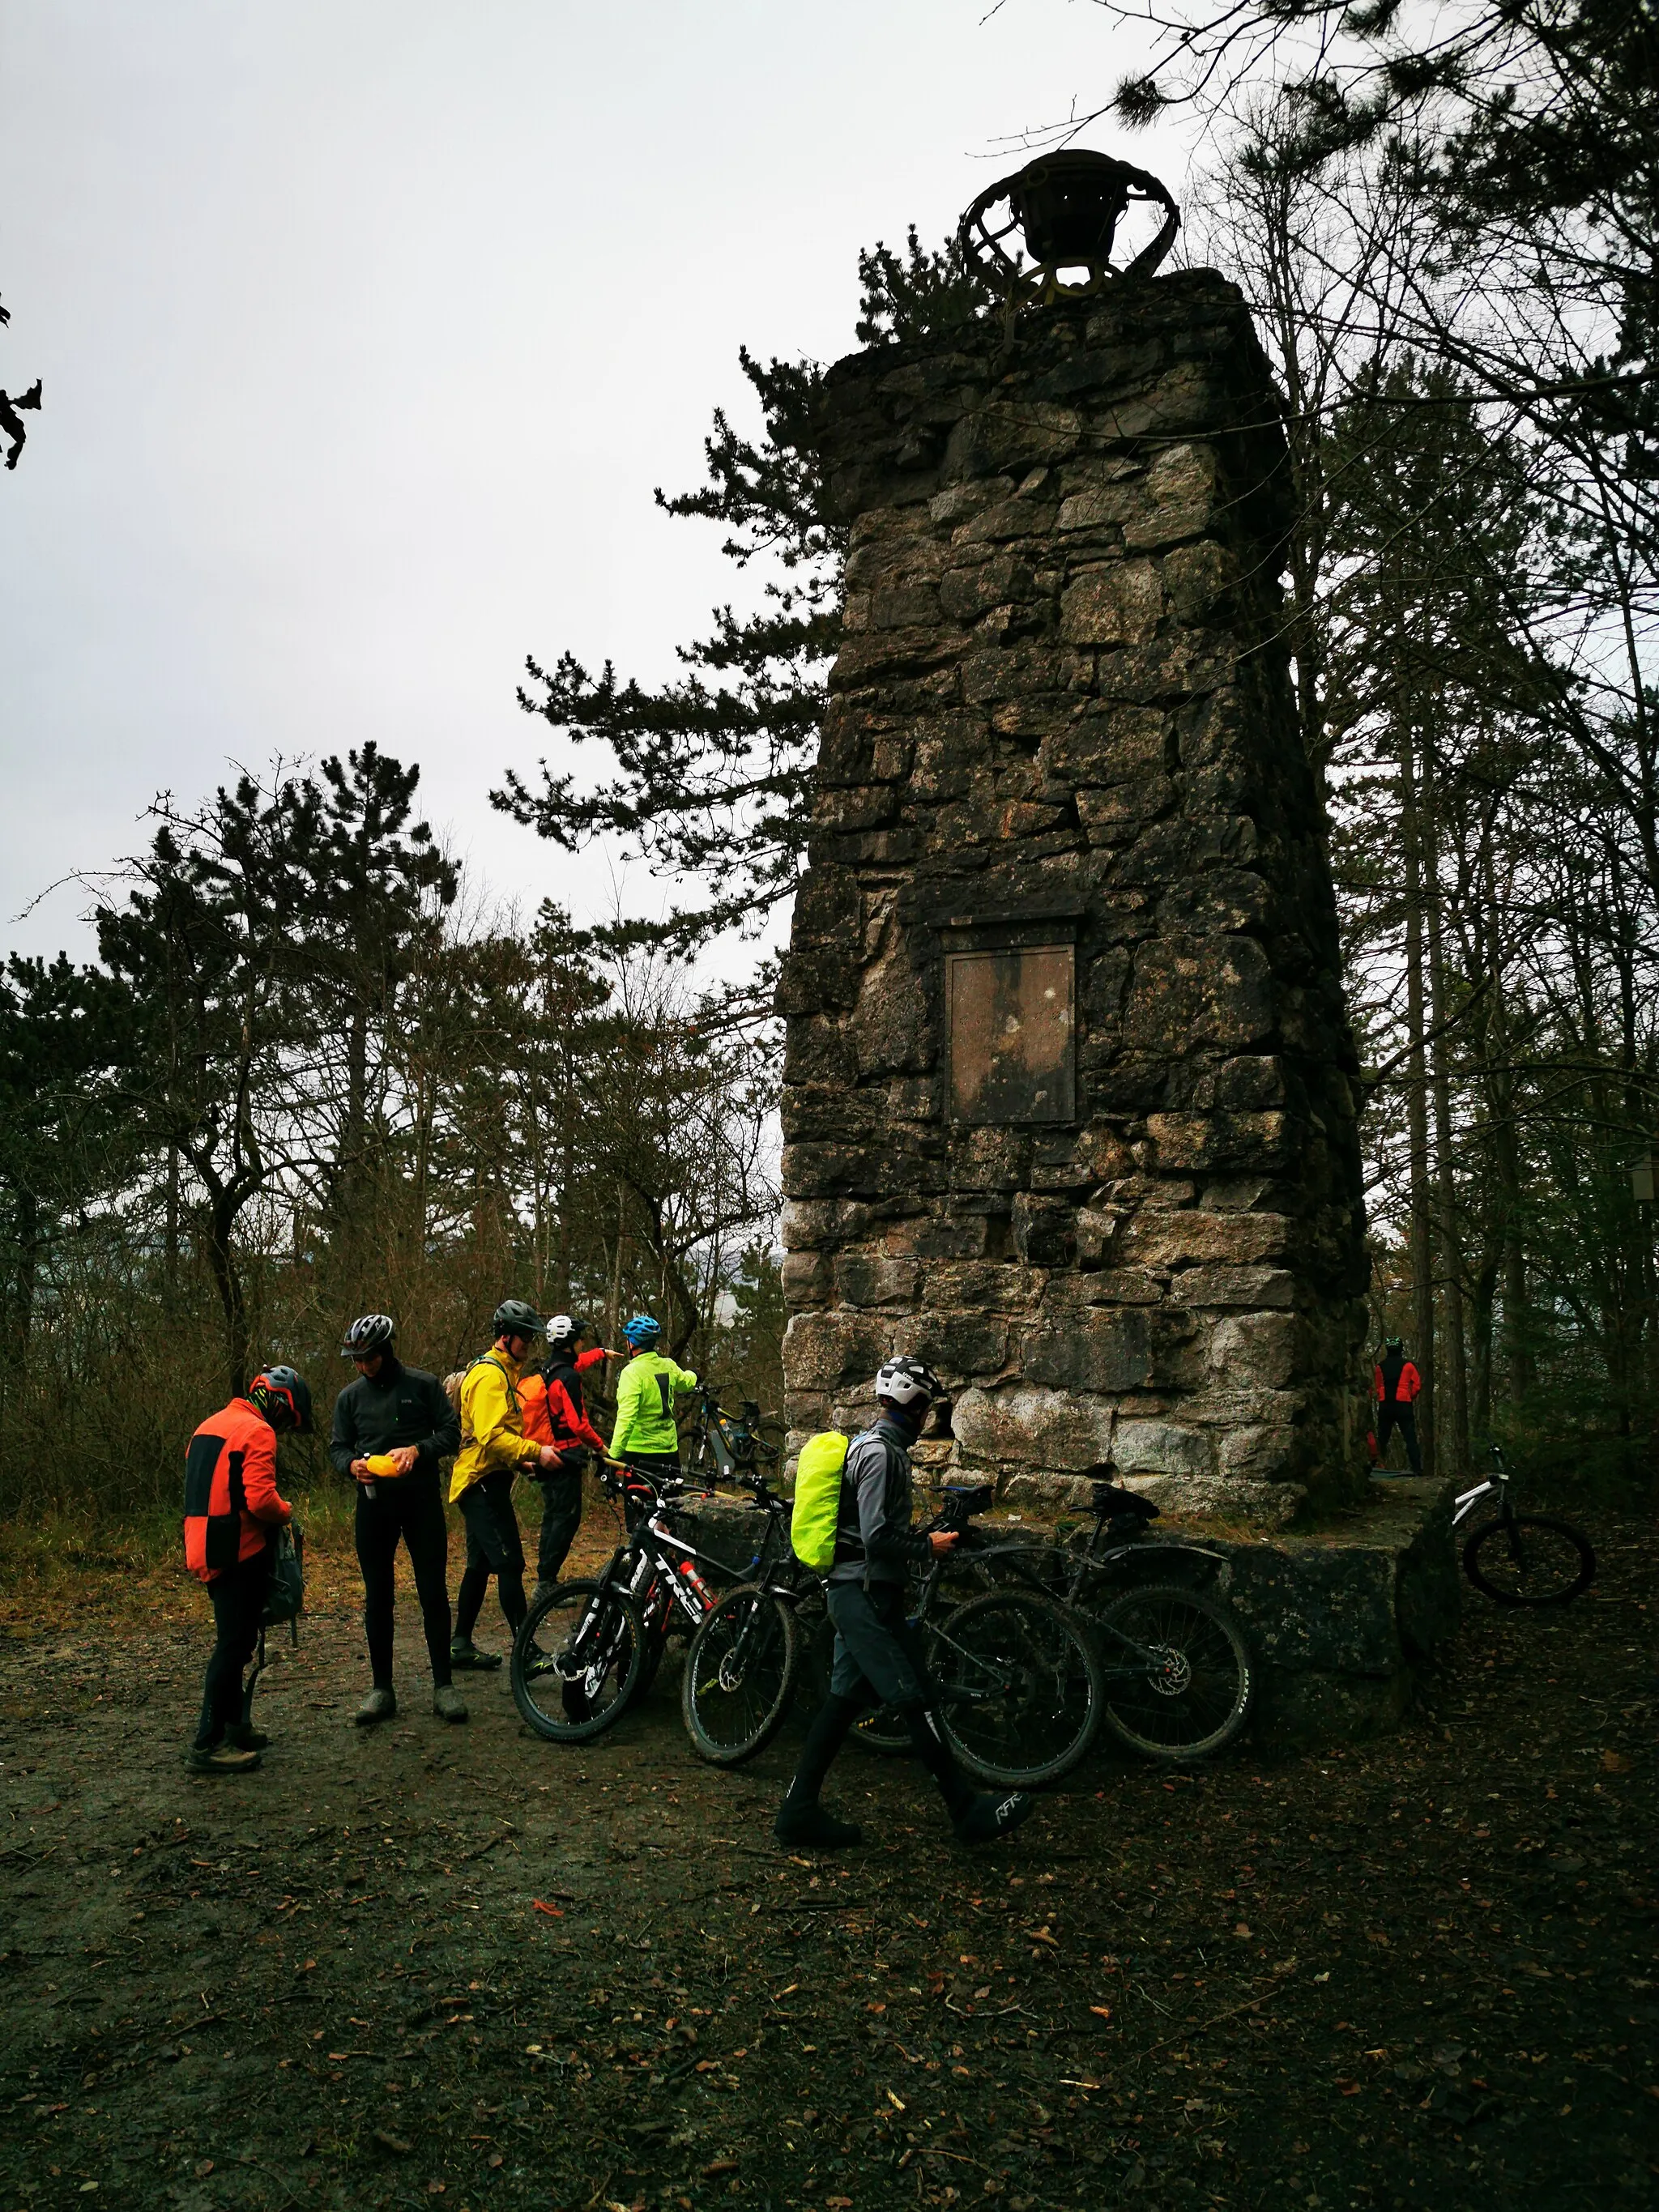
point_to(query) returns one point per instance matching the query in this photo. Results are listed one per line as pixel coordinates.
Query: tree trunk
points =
(1416, 1108)
(1453, 1370)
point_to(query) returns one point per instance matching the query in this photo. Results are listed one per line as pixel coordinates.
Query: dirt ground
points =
(458, 1963)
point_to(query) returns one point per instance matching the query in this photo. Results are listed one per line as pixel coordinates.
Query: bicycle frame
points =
(1496, 1485)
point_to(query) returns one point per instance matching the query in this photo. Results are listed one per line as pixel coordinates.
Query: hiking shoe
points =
(246, 1737)
(222, 1759)
(987, 1818)
(463, 1652)
(378, 1706)
(448, 1703)
(811, 1824)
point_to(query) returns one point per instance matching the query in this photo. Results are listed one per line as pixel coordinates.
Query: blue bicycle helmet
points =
(641, 1331)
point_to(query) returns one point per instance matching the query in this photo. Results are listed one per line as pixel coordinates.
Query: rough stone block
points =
(862, 1280)
(1200, 990)
(826, 1351)
(1193, 1235)
(1118, 606)
(959, 1344)
(807, 1277)
(1033, 1427)
(1176, 497)
(1162, 1448)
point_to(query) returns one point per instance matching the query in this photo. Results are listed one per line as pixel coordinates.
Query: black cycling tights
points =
(494, 1546)
(409, 1507)
(831, 1725)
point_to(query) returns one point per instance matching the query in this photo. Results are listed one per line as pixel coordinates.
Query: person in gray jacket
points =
(878, 1659)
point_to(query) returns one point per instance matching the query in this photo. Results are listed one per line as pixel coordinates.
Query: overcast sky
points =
(366, 328)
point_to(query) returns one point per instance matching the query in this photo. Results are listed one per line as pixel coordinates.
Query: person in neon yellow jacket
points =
(645, 1432)
(493, 1449)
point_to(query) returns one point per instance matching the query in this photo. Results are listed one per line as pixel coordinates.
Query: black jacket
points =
(385, 1412)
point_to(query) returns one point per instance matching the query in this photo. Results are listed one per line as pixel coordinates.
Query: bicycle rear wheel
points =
(1177, 1675)
(739, 1676)
(577, 1661)
(1529, 1558)
(1020, 1686)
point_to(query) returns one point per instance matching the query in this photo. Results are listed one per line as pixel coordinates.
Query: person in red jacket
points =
(233, 1511)
(555, 1415)
(1397, 1385)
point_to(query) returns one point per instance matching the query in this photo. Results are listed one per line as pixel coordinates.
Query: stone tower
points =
(1068, 1106)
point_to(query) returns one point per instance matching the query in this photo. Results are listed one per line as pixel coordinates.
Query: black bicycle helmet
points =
(367, 1334)
(513, 1317)
(283, 1397)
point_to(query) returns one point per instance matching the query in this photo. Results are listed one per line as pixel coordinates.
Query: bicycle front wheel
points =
(739, 1676)
(1177, 1673)
(577, 1661)
(1019, 1684)
(1529, 1559)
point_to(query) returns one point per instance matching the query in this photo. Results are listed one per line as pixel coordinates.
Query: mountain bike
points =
(1018, 1681)
(1521, 1558)
(722, 1447)
(1177, 1678)
(589, 1650)
(743, 1665)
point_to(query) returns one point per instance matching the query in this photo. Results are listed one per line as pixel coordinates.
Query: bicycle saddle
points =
(964, 1501)
(1121, 1504)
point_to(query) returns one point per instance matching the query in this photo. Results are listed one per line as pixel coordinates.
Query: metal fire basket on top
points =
(1068, 206)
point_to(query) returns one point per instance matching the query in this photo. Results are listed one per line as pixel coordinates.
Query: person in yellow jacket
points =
(494, 1448)
(646, 1433)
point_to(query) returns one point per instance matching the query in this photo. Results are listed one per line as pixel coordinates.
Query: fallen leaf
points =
(203, 2167)
(897, 2101)
(719, 2165)
(1101, 2012)
(553, 1911)
(395, 2144)
(1349, 2088)
(1614, 1762)
(494, 2159)
(1241, 1929)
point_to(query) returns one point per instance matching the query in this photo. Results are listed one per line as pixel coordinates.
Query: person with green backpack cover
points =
(851, 1522)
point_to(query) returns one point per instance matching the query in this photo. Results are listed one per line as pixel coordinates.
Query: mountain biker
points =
(233, 1511)
(403, 1413)
(878, 1658)
(494, 1448)
(1397, 1383)
(554, 1413)
(645, 1432)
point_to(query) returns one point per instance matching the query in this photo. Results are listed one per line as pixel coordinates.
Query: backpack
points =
(285, 1593)
(816, 1510)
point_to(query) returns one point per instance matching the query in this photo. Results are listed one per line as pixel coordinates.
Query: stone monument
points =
(1068, 1104)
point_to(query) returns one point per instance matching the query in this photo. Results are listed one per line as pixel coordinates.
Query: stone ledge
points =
(1342, 1621)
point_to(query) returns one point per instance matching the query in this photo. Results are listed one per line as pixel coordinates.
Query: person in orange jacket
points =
(1397, 1383)
(555, 1415)
(233, 1511)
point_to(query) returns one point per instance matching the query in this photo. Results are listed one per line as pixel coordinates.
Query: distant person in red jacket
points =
(1397, 1385)
(232, 1514)
(555, 1415)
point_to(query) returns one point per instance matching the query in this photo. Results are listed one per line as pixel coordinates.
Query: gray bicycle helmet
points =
(513, 1317)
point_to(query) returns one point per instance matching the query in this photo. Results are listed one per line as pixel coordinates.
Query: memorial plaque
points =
(1010, 1021)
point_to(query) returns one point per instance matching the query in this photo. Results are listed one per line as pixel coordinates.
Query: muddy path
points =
(457, 1965)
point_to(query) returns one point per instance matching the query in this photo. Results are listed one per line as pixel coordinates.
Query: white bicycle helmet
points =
(563, 1328)
(904, 1380)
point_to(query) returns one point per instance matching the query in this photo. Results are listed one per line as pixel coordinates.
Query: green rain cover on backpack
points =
(817, 1499)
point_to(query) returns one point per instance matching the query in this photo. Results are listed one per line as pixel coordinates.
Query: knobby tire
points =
(739, 1676)
(1501, 1555)
(572, 1709)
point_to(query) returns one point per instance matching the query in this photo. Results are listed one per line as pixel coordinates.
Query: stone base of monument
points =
(1343, 1620)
